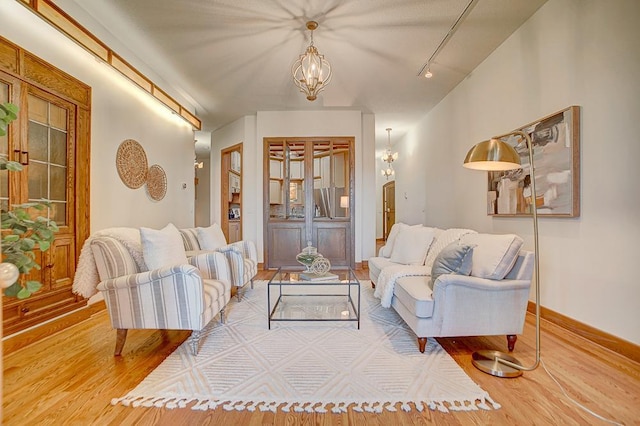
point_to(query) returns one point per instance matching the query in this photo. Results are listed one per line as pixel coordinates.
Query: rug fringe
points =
(444, 406)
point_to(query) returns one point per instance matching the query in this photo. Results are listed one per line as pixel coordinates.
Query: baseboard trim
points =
(34, 334)
(604, 339)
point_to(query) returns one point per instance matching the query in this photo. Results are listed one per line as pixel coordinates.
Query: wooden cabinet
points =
(234, 231)
(51, 139)
(307, 194)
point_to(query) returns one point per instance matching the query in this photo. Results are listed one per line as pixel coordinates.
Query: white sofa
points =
(487, 295)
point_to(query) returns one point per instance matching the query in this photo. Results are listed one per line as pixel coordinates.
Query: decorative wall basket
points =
(131, 162)
(156, 182)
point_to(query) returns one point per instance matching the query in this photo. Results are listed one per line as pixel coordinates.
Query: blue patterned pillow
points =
(456, 258)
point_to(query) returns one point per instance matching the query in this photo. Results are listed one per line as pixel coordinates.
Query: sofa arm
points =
(246, 248)
(465, 306)
(153, 277)
(484, 284)
(212, 265)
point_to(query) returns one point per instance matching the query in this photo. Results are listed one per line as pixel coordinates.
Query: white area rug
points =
(311, 366)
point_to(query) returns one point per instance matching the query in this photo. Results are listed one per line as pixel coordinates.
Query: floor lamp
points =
(496, 155)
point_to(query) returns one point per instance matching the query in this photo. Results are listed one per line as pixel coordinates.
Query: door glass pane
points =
(58, 176)
(58, 147)
(321, 179)
(57, 117)
(276, 175)
(58, 212)
(331, 179)
(340, 176)
(4, 149)
(38, 141)
(294, 179)
(48, 146)
(38, 181)
(4, 140)
(38, 110)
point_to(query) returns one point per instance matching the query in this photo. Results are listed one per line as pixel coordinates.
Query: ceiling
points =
(231, 58)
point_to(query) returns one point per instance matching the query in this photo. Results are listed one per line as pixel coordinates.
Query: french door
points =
(308, 199)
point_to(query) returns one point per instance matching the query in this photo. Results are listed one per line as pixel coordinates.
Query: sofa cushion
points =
(414, 293)
(162, 248)
(412, 244)
(211, 238)
(456, 258)
(386, 250)
(493, 254)
(442, 240)
(190, 239)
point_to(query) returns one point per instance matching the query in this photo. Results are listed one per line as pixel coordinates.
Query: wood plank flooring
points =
(71, 377)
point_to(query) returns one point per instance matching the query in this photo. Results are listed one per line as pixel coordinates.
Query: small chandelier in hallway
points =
(311, 72)
(388, 157)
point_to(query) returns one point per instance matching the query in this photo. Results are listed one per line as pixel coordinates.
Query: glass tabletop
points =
(335, 276)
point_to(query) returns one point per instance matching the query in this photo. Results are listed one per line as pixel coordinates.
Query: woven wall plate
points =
(131, 162)
(156, 182)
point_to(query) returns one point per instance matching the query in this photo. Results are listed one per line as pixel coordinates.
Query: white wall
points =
(571, 52)
(253, 129)
(119, 111)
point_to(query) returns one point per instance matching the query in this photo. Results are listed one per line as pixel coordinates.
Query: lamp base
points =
(486, 361)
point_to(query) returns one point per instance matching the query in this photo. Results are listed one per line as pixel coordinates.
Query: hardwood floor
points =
(70, 378)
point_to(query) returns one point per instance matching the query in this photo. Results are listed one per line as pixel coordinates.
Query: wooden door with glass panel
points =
(308, 194)
(43, 141)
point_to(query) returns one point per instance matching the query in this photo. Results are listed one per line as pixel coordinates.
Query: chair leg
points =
(238, 295)
(251, 283)
(194, 341)
(511, 341)
(121, 336)
(222, 319)
(422, 344)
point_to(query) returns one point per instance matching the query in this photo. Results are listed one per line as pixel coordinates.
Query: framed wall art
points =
(556, 155)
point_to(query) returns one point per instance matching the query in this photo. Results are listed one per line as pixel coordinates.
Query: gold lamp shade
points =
(493, 154)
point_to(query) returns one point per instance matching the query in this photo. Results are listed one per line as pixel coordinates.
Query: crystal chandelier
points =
(388, 157)
(311, 71)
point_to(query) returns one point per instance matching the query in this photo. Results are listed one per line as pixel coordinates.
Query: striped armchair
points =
(242, 257)
(181, 297)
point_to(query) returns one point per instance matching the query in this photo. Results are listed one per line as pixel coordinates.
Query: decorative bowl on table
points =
(307, 256)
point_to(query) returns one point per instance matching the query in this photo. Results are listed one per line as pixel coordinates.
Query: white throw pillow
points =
(443, 239)
(493, 255)
(162, 248)
(412, 244)
(391, 238)
(211, 238)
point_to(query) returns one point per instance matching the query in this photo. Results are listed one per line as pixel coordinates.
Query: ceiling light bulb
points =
(428, 74)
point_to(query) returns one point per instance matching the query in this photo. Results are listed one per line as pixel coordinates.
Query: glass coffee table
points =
(292, 298)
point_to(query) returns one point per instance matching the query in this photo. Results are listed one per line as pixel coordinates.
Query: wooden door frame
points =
(308, 174)
(225, 166)
(385, 187)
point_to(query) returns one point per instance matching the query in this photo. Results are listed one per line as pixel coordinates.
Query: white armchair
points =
(241, 255)
(181, 297)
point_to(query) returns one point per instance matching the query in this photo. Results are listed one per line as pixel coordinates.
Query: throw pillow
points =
(455, 258)
(412, 244)
(442, 240)
(386, 250)
(211, 238)
(494, 255)
(162, 248)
